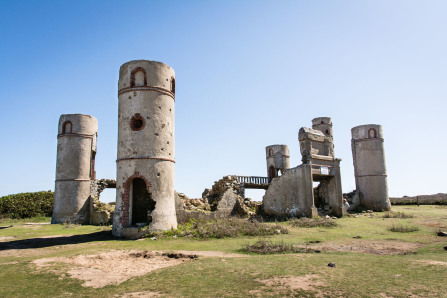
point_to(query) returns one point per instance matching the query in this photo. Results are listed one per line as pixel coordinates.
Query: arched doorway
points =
(142, 203)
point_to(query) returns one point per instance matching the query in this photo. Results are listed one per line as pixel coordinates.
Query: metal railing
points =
(253, 180)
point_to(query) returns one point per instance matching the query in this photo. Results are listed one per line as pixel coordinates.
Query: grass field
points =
(39, 259)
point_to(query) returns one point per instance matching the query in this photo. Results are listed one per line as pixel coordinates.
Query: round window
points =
(137, 122)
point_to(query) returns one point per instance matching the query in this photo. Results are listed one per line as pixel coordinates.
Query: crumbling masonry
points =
(145, 195)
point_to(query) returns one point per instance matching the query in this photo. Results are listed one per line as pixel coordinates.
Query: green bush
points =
(28, 204)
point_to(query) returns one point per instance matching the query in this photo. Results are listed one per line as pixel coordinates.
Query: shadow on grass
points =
(58, 240)
(1, 228)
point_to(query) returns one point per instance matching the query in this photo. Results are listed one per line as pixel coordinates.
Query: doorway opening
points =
(142, 203)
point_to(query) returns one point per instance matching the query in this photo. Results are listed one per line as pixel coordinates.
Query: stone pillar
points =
(146, 147)
(278, 159)
(75, 168)
(369, 166)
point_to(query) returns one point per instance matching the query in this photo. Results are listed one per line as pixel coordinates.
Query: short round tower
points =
(323, 124)
(369, 166)
(75, 168)
(146, 147)
(278, 159)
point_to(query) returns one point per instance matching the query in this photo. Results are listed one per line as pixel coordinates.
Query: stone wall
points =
(436, 199)
(224, 199)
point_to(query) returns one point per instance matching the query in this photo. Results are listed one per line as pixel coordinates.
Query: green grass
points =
(355, 274)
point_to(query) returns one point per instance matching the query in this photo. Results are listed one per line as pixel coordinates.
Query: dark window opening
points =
(142, 203)
(92, 166)
(137, 122)
(372, 133)
(272, 173)
(173, 85)
(270, 152)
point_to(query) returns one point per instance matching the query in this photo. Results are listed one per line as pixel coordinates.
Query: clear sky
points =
(248, 74)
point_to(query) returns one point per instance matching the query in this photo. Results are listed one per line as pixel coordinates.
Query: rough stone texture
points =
(278, 159)
(225, 199)
(292, 194)
(100, 213)
(146, 145)
(76, 149)
(369, 167)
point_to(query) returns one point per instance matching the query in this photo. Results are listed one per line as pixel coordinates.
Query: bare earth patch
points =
(308, 282)
(375, 247)
(139, 294)
(112, 267)
(430, 262)
(7, 238)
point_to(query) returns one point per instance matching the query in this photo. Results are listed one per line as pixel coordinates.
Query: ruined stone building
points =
(145, 166)
(292, 194)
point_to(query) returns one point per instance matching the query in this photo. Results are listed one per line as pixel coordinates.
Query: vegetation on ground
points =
(28, 204)
(391, 214)
(269, 247)
(312, 222)
(422, 273)
(221, 228)
(403, 229)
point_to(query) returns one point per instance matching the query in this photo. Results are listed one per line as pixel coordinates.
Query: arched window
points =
(173, 85)
(138, 77)
(67, 127)
(270, 152)
(372, 133)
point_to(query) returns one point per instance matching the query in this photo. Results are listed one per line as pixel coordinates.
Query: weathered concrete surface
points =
(76, 149)
(146, 146)
(278, 160)
(291, 194)
(369, 167)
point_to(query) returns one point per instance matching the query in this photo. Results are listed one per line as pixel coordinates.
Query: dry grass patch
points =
(268, 247)
(295, 285)
(398, 214)
(305, 222)
(403, 229)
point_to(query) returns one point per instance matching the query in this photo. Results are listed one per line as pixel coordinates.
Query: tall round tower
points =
(369, 166)
(75, 168)
(146, 147)
(278, 159)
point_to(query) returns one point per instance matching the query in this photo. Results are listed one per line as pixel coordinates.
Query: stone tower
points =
(369, 166)
(75, 168)
(146, 145)
(324, 124)
(278, 159)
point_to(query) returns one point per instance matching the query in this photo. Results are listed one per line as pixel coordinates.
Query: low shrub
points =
(268, 247)
(30, 204)
(221, 228)
(312, 222)
(390, 214)
(403, 229)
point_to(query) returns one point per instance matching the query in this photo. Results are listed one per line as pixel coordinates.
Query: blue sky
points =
(248, 74)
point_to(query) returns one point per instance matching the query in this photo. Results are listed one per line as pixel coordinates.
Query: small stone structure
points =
(369, 167)
(146, 144)
(292, 194)
(75, 168)
(278, 160)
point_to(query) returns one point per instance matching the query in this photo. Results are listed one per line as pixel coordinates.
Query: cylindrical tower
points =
(278, 159)
(369, 166)
(75, 168)
(146, 145)
(324, 124)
